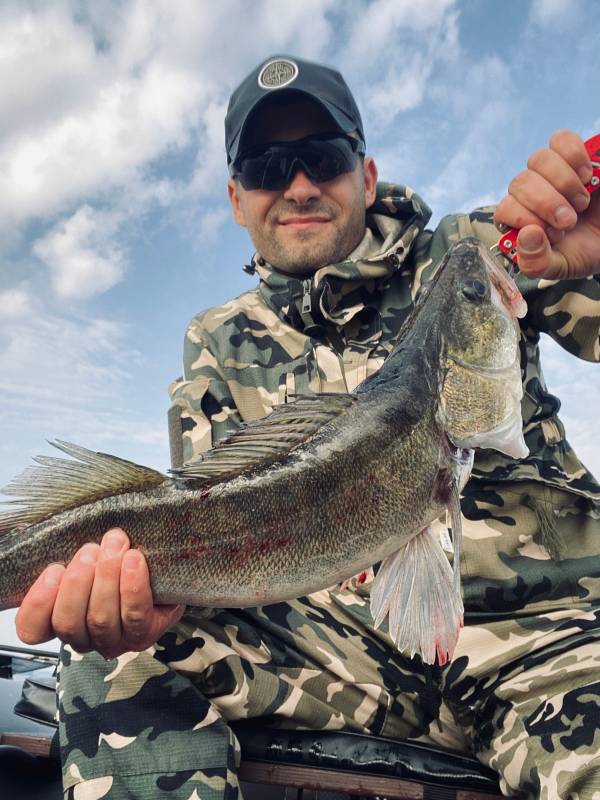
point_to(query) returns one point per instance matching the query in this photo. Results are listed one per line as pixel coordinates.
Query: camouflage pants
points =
(522, 692)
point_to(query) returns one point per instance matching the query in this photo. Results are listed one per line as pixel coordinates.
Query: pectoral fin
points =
(416, 588)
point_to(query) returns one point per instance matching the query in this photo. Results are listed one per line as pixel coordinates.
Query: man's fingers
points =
(104, 609)
(557, 217)
(551, 191)
(142, 621)
(562, 176)
(512, 214)
(33, 621)
(136, 599)
(571, 148)
(533, 192)
(68, 616)
(102, 600)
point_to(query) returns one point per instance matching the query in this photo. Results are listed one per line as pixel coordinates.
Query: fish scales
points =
(322, 488)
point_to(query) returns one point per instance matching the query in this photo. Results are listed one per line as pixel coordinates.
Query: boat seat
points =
(317, 764)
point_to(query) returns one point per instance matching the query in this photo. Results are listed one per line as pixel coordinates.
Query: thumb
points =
(535, 254)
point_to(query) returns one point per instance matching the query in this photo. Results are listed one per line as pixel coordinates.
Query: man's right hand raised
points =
(101, 601)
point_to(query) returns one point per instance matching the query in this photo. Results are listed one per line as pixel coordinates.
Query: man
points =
(522, 690)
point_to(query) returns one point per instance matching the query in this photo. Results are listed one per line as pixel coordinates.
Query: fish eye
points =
(473, 290)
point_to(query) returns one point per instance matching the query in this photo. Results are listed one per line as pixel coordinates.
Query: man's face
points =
(306, 225)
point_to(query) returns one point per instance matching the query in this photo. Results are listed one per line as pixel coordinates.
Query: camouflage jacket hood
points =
(328, 332)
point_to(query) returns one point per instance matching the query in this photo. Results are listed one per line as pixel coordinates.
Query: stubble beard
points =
(308, 252)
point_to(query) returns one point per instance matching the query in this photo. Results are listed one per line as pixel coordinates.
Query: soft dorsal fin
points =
(264, 441)
(58, 484)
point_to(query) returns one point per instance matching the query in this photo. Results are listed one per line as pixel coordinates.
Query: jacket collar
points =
(335, 293)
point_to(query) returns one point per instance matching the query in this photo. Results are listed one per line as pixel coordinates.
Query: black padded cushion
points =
(356, 752)
(38, 700)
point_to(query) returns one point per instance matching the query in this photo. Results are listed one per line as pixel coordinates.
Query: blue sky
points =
(114, 222)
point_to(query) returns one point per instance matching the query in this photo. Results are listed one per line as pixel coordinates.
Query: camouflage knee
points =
(133, 728)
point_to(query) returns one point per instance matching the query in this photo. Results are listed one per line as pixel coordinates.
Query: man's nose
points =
(301, 188)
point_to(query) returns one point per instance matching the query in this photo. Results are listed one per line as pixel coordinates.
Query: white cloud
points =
(14, 303)
(212, 222)
(93, 118)
(472, 171)
(378, 24)
(301, 28)
(456, 182)
(48, 67)
(82, 259)
(78, 379)
(93, 100)
(84, 359)
(547, 13)
(391, 51)
(128, 125)
(101, 101)
(403, 88)
(210, 171)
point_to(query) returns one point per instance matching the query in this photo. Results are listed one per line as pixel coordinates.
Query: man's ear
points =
(370, 176)
(234, 199)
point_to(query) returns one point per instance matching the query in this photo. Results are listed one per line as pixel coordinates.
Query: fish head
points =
(481, 386)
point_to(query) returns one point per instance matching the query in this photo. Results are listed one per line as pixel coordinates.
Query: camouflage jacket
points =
(291, 336)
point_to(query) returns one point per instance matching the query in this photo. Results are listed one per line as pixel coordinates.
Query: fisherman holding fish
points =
(146, 690)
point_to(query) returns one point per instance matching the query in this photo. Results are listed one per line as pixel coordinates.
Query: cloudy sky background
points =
(114, 222)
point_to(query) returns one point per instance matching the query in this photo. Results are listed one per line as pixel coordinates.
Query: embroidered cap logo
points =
(277, 73)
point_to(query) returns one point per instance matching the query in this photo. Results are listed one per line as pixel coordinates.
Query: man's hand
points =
(100, 601)
(559, 220)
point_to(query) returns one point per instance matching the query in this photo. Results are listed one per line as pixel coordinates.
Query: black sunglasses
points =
(273, 166)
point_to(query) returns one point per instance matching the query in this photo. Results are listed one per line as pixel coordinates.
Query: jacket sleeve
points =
(202, 410)
(567, 310)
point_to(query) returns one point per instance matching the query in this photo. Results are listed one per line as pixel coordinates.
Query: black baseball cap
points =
(289, 74)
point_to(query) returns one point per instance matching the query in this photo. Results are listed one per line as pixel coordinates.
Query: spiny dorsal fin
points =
(59, 484)
(264, 441)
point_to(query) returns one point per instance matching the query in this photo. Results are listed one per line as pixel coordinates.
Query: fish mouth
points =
(505, 293)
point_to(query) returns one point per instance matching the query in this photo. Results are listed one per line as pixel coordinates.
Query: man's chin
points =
(302, 263)
(302, 256)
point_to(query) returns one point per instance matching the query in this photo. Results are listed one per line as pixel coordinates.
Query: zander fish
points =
(319, 490)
